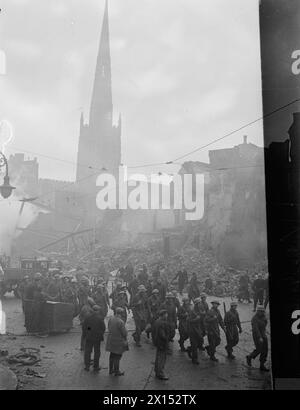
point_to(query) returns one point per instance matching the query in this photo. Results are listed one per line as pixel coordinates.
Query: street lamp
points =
(5, 189)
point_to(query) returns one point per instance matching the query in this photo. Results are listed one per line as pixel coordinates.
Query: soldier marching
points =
(156, 310)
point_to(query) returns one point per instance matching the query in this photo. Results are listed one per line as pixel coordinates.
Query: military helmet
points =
(162, 312)
(119, 311)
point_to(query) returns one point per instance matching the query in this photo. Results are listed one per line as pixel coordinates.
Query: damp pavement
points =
(61, 365)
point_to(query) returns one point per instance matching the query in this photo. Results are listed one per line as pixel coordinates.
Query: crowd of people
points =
(159, 311)
(160, 307)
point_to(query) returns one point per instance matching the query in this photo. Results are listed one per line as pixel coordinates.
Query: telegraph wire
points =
(172, 162)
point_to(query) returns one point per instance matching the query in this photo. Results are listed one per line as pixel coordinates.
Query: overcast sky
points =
(185, 72)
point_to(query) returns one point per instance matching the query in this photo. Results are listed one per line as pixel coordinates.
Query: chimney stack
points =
(245, 139)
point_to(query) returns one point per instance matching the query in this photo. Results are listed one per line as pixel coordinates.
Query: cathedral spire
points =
(101, 106)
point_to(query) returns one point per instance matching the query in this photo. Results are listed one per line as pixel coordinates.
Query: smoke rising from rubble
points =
(12, 219)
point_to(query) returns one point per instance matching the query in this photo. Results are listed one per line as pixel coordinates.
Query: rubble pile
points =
(199, 261)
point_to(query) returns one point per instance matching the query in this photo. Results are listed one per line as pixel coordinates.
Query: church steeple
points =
(101, 105)
(99, 141)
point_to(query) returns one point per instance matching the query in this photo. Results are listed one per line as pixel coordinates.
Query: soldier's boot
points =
(189, 352)
(162, 377)
(207, 348)
(249, 359)
(229, 353)
(263, 368)
(136, 339)
(182, 348)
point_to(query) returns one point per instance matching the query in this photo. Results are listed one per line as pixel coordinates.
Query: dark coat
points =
(233, 326)
(117, 336)
(139, 307)
(213, 320)
(153, 308)
(85, 311)
(160, 334)
(259, 325)
(194, 324)
(183, 315)
(193, 291)
(258, 286)
(94, 327)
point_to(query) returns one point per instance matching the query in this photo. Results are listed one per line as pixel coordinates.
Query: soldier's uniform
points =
(233, 328)
(83, 292)
(133, 285)
(203, 308)
(182, 280)
(259, 324)
(121, 301)
(213, 321)
(195, 332)
(100, 299)
(183, 316)
(115, 293)
(54, 289)
(139, 309)
(153, 308)
(161, 342)
(193, 291)
(258, 288)
(169, 306)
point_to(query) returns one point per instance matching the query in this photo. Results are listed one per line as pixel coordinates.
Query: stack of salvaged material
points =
(59, 316)
(48, 317)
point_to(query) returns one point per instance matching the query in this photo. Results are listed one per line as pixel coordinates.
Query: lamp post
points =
(5, 189)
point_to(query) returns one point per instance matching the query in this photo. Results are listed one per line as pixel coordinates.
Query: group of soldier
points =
(157, 311)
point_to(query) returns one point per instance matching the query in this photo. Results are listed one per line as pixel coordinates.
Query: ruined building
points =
(234, 221)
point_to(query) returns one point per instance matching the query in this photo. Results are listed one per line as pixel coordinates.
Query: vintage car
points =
(13, 276)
